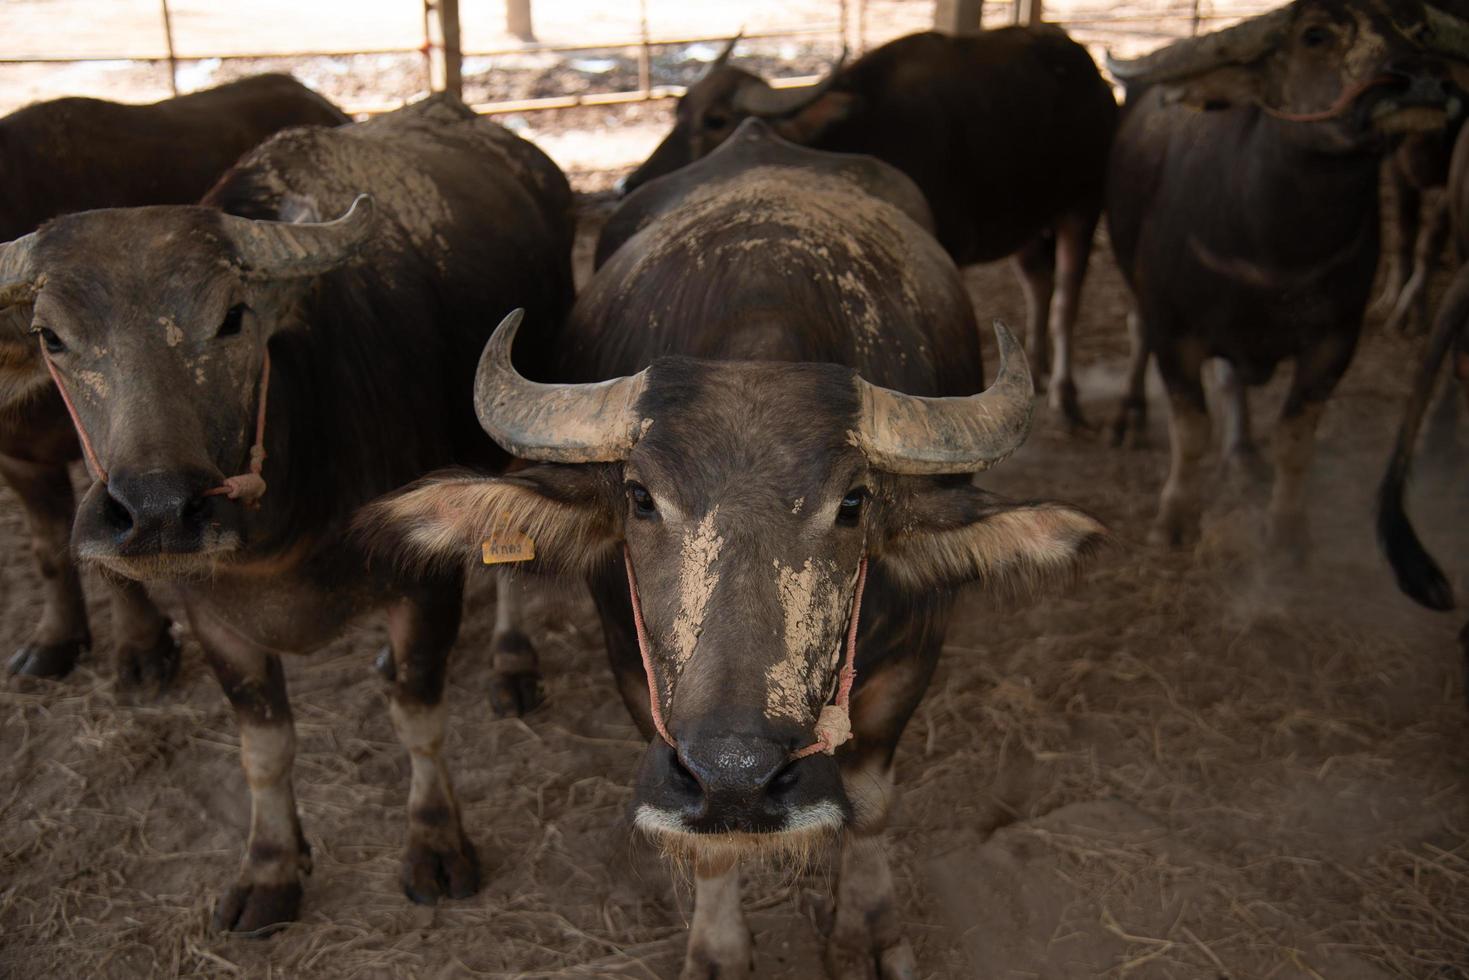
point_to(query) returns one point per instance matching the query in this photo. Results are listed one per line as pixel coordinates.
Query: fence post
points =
(517, 20)
(453, 51)
(173, 61)
(958, 16)
(1028, 12)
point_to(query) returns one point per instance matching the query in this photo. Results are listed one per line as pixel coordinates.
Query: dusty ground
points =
(1187, 766)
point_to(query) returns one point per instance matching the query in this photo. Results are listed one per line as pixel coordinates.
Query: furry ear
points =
(570, 515)
(806, 126)
(946, 536)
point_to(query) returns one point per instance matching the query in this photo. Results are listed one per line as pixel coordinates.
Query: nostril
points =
(195, 510)
(785, 780)
(681, 777)
(117, 514)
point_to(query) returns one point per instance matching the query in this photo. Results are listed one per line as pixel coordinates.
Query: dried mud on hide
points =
(1192, 764)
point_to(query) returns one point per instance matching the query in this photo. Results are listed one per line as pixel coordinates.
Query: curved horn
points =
(1245, 42)
(723, 58)
(1447, 35)
(757, 97)
(286, 250)
(17, 271)
(554, 423)
(914, 435)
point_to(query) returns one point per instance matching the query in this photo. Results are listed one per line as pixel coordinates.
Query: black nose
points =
(159, 512)
(724, 782)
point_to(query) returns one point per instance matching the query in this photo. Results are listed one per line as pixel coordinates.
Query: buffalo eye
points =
(850, 509)
(642, 500)
(1315, 37)
(234, 319)
(53, 343)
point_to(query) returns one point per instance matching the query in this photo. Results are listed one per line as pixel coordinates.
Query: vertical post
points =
(1029, 13)
(428, 45)
(1194, 24)
(453, 50)
(861, 26)
(956, 17)
(842, 21)
(517, 20)
(645, 51)
(173, 61)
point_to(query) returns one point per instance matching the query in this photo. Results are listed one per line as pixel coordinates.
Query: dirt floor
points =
(1189, 765)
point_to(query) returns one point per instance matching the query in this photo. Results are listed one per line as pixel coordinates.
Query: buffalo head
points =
(155, 323)
(1357, 68)
(747, 500)
(725, 96)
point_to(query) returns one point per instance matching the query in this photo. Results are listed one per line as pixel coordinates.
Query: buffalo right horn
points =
(915, 435)
(1244, 43)
(758, 98)
(554, 423)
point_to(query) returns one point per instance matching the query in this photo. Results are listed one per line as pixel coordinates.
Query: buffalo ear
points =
(808, 125)
(945, 536)
(569, 514)
(1221, 88)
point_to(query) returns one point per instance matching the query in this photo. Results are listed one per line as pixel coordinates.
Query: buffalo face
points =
(155, 324)
(747, 502)
(714, 106)
(1357, 70)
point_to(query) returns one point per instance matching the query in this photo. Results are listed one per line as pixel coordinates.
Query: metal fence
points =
(442, 54)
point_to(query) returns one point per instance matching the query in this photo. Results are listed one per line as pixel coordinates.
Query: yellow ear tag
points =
(505, 544)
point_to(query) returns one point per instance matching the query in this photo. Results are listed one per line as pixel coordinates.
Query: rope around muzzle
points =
(247, 487)
(1339, 107)
(834, 724)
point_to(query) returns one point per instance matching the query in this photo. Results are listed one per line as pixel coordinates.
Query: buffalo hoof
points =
(866, 959)
(256, 909)
(1289, 538)
(148, 670)
(46, 660)
(734, 960)
(1130, 427)
(432, 871)
(1172, 532)
(1064, 402)
(515, 687)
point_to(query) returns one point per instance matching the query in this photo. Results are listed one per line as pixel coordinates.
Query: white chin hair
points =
(806, 830)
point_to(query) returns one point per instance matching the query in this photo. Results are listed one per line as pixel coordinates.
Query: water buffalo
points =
(323, 364)
(74, 155)
(786, 441)
(1249, 231)
(1005, 132)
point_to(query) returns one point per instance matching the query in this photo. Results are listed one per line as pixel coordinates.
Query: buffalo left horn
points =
(1244, 43)
(758, 98)
(17, 271)
(915, 435)
(553, 423)
(290, 250)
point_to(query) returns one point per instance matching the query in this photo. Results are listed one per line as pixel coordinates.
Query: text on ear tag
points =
(505, 544)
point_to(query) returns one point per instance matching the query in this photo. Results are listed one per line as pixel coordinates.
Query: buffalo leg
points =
(1241, 454)
(268, 890)
(1131, 424)
(1317, 372)
(145, 654)
(1073, 251)
(439, 860)
(1407, 202)
(1035, 266)
(720, 947)
(1410, 309)
(1188, 432)
(515, 688)
(61, 635)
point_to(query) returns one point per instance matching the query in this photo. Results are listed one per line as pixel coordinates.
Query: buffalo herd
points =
(270, 334)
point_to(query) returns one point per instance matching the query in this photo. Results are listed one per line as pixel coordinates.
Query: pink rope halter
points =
(246, 487)
(1342, 104)
(833, 727)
